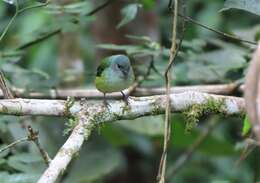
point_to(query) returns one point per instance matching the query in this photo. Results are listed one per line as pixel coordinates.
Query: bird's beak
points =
(125, 72)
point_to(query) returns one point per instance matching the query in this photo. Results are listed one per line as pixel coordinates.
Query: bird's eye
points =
(119, 66)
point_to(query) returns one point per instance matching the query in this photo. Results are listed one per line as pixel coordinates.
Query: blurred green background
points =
(60, 46)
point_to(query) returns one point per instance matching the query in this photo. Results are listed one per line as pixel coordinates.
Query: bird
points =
(114, 74)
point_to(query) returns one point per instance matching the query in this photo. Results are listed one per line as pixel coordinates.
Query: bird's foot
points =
(125, 98)
(106, 104)
(126, 101)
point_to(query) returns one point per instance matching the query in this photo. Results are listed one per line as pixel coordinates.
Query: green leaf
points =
(246, 126)
(252, 33)
(129, 12)
(114, 135)
(18, 178)
(10, 56)
(252, 6)
(27, 162)
(27, 79)
(212, 66)
(148, 3)
(151, 126)
(210, 146)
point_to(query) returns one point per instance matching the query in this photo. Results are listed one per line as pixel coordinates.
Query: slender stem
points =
(100, 7)
(19, 11)
(34, 136)
(40, 39)
(167, 124)
(11, 21)
(5, 89)
(182, 160)
(34, 6)
(58, 30)
(229, 36)
(14, 144)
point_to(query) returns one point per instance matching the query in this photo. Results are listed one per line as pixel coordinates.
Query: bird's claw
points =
(125, 98)
(106, 104)
(126, 101)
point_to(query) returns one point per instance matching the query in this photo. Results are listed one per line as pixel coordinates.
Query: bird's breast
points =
(113, 81)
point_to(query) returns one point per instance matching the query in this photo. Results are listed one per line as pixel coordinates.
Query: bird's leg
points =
(105, 100)
(125, 98)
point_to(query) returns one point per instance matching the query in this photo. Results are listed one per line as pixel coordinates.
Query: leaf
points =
(37, 36)
(152, 125)
(134, 50)
(96, 160)
(18, 178)
(27, 79)
(148, 3)
(26, 162)
(9, 1)
(251, 34)
(114, 135)
(122, 135)
(10, 56)
(252, 6)
(210, 146)
(246, 126)
(129, 12)
(212, 66)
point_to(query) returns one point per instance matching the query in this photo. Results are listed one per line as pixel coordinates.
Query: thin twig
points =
(11, 21)
(100, 7)
(5, 89)
(52, 33)
(39, 39)
(14, 144)
(34, 136)
(142, 78)
(250, 145)
(188, 155)
(19, 11)
(34, 6)
(229, 36)
(167, 124)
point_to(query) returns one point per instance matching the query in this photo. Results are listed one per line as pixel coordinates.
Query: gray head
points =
(120, 63)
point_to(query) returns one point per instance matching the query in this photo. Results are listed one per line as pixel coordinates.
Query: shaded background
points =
(127, 151)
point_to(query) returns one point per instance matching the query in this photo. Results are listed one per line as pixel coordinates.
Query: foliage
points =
(128, 151)
(129, 13)
(252, 6)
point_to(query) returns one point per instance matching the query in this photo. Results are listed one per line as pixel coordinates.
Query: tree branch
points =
(222, 89)
(91, 113)
(138, 106)
(72, 146)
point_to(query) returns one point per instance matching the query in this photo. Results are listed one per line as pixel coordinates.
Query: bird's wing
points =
(103, 65)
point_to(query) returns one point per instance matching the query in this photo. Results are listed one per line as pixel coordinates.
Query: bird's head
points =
(120, 64)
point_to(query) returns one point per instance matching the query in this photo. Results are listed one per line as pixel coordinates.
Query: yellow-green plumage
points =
(114, 74)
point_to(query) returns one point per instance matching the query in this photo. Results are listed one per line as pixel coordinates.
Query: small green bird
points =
(114, 74)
